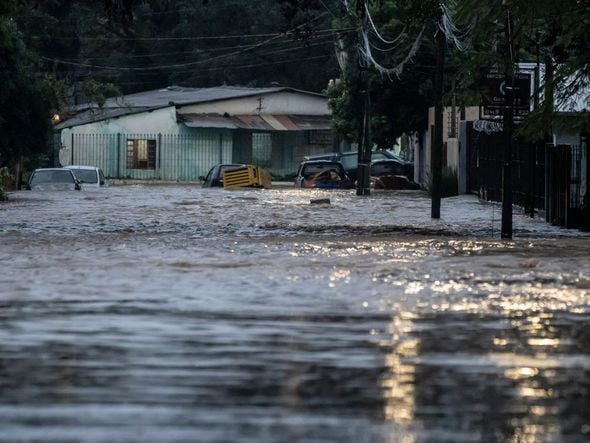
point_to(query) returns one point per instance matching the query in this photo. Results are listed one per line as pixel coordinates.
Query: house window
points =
(141, 154)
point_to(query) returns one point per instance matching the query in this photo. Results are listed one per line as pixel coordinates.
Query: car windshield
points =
(55, 176)
(86, 175)
(310, 171)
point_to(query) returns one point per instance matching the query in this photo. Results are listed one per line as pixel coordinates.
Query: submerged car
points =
(350, 162)
(214, 177)
(323, 174)
(390, 174)
(53, 179)
(88, 176)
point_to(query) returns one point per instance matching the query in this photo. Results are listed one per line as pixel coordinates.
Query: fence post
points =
(118, 155)
(548, 179)
(159, 156)
(585, 154)
(72, 146)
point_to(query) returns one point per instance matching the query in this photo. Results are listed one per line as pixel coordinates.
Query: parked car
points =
(350, 162)
(390, 174)
(214, 177)
(53, 179)
(325, 174)
(88, 176)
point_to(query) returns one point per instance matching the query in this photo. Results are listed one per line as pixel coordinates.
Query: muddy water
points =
(176, 314)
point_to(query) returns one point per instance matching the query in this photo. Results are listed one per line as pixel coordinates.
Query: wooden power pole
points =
(508, 121)
(437, 145)
(363, 186)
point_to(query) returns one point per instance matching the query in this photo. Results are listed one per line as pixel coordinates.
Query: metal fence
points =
(150, 156)
(485, 159)
(548, 177)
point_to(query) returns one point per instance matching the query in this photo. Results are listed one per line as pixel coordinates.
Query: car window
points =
(349, 161)
(209, 176)
(52, 177)
(85, 175)
(311, 170)
(387, 168)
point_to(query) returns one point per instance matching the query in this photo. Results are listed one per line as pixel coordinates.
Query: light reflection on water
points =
(175, 314)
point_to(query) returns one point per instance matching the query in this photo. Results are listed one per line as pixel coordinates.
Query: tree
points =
(141, 45)
(554, 32)
(400, 78)
(27, 99)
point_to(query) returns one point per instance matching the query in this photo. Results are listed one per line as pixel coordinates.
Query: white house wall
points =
(159, 121)
(279, 103)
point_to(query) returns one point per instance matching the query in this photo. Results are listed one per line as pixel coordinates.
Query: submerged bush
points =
(449, 184)
(4, 176)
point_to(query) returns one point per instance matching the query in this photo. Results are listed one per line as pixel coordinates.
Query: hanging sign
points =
(495, 85)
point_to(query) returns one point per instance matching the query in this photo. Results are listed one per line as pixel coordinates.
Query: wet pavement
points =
(180, 314)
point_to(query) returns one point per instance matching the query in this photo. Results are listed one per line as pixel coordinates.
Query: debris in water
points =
(320, 201)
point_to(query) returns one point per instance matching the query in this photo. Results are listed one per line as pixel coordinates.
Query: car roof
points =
(388, 160)
(321, 162)
(80, 167)
(48, 169)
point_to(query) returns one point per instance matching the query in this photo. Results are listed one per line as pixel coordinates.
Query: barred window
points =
(141, 154)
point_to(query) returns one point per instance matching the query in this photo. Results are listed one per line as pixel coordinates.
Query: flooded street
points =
(181, 314)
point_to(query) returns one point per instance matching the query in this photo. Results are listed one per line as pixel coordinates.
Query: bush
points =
(4, 176)
(449, 184)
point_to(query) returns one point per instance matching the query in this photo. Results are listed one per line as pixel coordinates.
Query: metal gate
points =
(565, 203)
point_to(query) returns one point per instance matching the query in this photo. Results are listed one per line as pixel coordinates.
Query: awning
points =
(255, 122)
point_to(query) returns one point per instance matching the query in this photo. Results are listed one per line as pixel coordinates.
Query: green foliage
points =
(27, 99)
(139, 45)
(449, 184)
(553, 33)
(98, 93)
(399, 103)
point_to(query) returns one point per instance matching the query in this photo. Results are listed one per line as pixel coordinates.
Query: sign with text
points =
(495, 87)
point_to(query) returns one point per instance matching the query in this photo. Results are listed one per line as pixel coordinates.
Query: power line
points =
(193, 53)
(221, 68)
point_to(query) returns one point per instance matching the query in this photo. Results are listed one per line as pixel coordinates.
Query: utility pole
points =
(508, 121)
(437, 145)
(364, 137)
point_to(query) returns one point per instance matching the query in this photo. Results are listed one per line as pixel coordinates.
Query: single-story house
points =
(177, 133)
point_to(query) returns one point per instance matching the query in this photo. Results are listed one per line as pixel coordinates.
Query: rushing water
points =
(180, 314)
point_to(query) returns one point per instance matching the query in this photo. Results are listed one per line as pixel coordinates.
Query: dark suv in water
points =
(349, 161)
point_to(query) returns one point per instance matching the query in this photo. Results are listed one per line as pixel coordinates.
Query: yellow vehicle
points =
(247, 176)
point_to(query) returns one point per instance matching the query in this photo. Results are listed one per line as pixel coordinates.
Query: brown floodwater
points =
(181, 314)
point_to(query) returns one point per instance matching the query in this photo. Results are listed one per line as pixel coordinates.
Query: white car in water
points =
(89, 176)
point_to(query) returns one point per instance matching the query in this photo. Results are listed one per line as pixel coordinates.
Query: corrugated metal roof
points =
(95, 115)
(159, 98)
(184, 96)
(263, 122)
